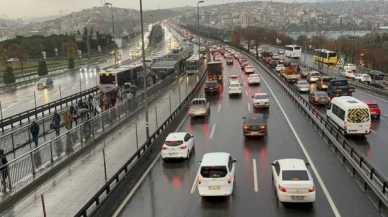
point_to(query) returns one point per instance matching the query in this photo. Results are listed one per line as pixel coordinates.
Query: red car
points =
(374, 109)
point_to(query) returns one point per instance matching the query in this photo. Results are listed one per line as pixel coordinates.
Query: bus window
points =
(107, 79)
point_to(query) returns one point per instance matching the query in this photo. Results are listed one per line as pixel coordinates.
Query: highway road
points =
(23, 99)
(375, 145)
(169, 189)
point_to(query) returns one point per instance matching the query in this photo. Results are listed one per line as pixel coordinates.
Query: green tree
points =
(71, 63)
(9, 76)
(17, 51)
(42, 68)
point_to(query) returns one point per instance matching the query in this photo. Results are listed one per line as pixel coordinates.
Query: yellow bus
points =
(325, 56)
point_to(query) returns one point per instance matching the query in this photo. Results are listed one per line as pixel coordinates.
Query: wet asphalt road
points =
(375, 145)
(166, 190)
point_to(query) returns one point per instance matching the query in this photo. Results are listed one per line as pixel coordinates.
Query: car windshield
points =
(303, 83)
(261, 97)
(233, 77)
(173, 143)
(254, 76)
(43, 80)
(214, 172)
(373, 105)
(366, 76)
(198, 102)
(295, 175)
(280, 65)
(320, 94)
(235, 85)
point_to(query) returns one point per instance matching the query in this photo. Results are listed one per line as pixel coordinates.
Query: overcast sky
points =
(38, 8)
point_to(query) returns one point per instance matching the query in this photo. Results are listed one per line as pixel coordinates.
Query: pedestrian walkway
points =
(66, 193)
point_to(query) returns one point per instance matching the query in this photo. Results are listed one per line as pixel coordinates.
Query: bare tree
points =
(236, 36)
(70, 49)
(18, 51)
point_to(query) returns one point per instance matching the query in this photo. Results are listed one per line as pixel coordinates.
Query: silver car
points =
(302, 86)
(44, 83)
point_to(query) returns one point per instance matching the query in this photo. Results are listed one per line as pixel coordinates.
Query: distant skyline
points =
(27, 9)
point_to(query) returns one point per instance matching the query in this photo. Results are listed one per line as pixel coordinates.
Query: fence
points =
(368, 178)
(33, 164)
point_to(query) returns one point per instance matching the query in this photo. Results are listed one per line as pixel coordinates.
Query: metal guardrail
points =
(148, 148)
(28, 167)
(367, 176)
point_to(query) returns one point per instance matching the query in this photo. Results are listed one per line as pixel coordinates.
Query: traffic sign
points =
(340, 63)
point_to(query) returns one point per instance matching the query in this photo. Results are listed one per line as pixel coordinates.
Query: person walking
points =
(74, 114)
(56, 121)
(34, 129)
(67, 119)
(3, 170)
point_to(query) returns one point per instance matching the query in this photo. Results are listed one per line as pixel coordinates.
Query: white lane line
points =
(246, 92)
(325, 191)
(249, 106)
(212, 133)
(124, 203)
(373, 131)
(372, 95)
(255, 184)
(195, 183)
(219, 107)
(386, 115)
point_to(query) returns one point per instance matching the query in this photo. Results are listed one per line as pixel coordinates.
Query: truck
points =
(215, 71)
(290, 73)
(339, 87)
(199, 107)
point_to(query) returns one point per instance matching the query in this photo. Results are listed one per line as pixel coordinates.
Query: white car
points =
(275, 57)
(217, 58)
(234, 78)
(350, 67)
(279, 67)
(365, 78)
(178, 145)
(216, 174)
(253, 79)
(260, 100)
(248, 69)
(235, 88)
(281, 51)
(292, 181)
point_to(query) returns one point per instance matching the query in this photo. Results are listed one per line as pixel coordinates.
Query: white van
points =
(216, 174)
(350, 115)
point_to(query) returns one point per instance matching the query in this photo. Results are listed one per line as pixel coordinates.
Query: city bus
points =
(193, 64)
(112, 79)
(325, 56)
(293, 51)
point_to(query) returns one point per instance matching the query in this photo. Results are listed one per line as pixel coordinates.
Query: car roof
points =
(232, 76)
(215, 158)
(176, 136)
(253, 75)
(292, 164)
(234, 82)
(369, 101)
(211, 82)
(254, 118)
(320, 93)
(262, 94)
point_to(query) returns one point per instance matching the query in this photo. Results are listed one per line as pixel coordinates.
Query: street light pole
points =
(340, 47)
(113, 31)
(305, 45)
(152, 24)
(354, 38)
(145, 74)
(199, 38)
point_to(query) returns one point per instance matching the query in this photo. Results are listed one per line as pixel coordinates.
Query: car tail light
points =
(328, 98)
(230, 89)
(199, 180)
(210, 78)
(216, 86)
(246, 127)
(164, 147)
(370, 125)
(282, 188)
(205, 110)
(229, 179)
(189, 112)
(239, 88)
(345, 126)
(266, 103)
(311, 189)
(262, 127)
(183, 147)
(316, 99)
(206, 87)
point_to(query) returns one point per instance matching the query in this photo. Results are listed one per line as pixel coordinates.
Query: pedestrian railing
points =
(30, 166)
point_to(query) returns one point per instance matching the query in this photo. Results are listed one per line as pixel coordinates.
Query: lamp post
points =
(113, 30)
(145, 74)
(199, 38)
(152, 23)
(340, 47)
(354, 38)
(305, 45)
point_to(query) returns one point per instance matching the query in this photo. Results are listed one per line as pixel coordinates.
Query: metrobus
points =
(112, 79)
(325, 56)
(193, 64)
(293, 51)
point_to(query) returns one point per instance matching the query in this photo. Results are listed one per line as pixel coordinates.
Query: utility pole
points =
(305, 45)
(340, 47)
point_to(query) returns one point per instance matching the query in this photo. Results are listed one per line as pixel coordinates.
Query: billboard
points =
(226, 38)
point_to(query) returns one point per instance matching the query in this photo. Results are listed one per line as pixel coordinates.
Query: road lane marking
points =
(255, 184)
(386, 115)
(195, 183)
(212, 133)
(246, 92)
(373, 131)
(324, 189)
(372, 95)
(219, 107)
(249, 107)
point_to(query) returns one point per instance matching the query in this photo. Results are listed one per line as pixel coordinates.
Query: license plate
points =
(173, 154)
(214, 188)
(211, 88)
(255, 133)
(298, 197)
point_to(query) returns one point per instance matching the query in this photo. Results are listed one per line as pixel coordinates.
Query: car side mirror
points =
(273, 164)
(268, 96)
(200, 161)
(234, 161)
(192, 136)
(307, 164)
(253, 97)
(244, 118)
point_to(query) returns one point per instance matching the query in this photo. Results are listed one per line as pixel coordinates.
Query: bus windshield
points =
(192, 65)
(107, 78)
